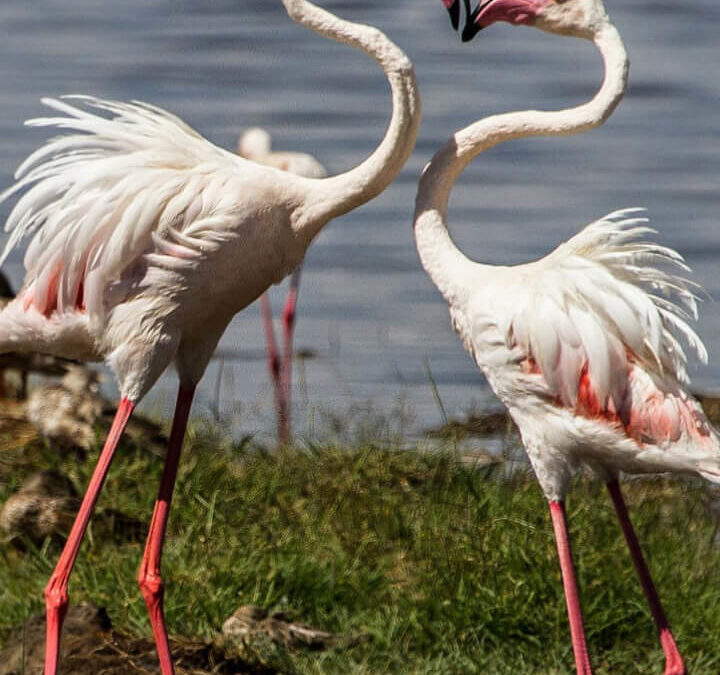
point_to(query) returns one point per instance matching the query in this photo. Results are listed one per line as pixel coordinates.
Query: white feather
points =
(109, 192)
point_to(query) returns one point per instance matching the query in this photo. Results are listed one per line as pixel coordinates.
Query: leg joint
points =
(56, 596)
(151, 585)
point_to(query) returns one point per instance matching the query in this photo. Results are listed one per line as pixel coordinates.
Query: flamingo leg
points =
(149, 576)
(273, 361)
(22, 391)
(56, 595)
(674, 664)
(572, 595)
(289, 317)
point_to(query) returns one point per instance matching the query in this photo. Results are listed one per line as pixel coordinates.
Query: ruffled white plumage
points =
(137, 182)
(585, 347)
(598, 299)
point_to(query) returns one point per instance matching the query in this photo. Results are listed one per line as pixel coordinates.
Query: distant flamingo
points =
(256, 144)
(148, 239)
(580, 345)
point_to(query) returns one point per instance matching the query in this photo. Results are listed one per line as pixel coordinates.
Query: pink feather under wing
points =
(658, 416)
(47, 303)
(650, 413)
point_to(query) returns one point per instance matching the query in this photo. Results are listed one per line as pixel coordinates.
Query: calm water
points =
(367, 310)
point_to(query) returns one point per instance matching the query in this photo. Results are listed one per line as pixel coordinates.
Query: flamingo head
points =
(576, 18)
(255, 143)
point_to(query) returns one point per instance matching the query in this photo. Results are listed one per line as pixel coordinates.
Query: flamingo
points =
(147, 239)
(582, 346)
(256, 144)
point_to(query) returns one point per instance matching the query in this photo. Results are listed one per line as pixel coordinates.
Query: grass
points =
(446, 569)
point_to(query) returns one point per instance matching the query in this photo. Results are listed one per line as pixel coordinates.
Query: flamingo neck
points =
(339, 194)
(446, 265)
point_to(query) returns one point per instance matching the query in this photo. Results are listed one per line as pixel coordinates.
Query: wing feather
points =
(602, 304)
(123, 179)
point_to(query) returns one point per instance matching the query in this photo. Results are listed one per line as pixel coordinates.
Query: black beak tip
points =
(470, 31)
(454, 12)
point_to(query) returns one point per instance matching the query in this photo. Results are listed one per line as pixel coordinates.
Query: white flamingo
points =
(148, 239)
(256, 144)
(581, 345)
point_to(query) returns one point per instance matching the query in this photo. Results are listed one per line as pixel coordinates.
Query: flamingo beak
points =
(453, 8)
(454, 11)
(471, 27)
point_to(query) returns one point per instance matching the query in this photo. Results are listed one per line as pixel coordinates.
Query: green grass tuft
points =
(445, 569)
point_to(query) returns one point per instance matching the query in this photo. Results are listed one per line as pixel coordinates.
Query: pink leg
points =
(674, 664)
(572, 596)
(289, 316)
(56, 596)
(274, 366)
(149, 577)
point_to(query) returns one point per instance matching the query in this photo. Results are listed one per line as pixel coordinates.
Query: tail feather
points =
(66, 334)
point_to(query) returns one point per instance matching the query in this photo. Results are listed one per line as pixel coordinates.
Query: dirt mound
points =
(90, 646)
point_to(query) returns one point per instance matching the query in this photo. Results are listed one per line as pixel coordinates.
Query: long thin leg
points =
(56, 596)
(674, 664)
(572, 596)
(149, 577)
(289, 317)
(273, 360)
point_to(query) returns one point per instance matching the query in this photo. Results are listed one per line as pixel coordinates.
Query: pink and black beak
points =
(453, 8)
(472, 27)
(516, 12)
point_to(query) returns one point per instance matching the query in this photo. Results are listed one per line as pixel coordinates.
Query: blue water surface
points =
(367, 311)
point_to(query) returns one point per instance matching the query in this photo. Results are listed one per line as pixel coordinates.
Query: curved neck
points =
(443, 261)
(339, 194)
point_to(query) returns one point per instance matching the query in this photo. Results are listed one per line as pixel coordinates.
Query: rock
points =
(44, 506)
(250, 622)
(66, 413)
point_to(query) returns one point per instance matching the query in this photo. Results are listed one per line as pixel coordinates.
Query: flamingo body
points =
(177, 238)
(146, 239)
(587, 361)
(584, 346)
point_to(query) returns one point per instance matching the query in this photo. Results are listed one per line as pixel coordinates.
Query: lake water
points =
(367, 310)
